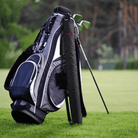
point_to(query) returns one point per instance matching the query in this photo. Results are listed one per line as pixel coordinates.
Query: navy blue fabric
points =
(20, 59)
(24, 75)
(35, 58)
(20, 86)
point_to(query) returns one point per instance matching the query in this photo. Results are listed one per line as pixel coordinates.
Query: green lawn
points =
(120, 92)
(5, 100)
(95, 125)
(119, 89)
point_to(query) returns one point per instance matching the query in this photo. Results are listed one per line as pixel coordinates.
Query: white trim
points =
(59, 14)
(57, 50)
(59, 105)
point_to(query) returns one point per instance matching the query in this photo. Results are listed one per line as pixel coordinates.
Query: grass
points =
(5, 100)
(95, 125)
(120, 92)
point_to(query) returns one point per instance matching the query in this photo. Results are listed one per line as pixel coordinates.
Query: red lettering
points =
(69, 34)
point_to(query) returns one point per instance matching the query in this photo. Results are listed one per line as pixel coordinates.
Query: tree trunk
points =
(124, 58)
(124, 55)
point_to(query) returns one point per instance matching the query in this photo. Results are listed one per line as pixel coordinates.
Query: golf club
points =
(77, 17)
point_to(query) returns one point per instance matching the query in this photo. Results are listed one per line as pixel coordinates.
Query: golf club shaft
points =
(93, 76)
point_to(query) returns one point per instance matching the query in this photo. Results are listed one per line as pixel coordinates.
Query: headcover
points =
(62, 10)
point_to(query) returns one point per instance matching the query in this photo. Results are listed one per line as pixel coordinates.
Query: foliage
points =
(106, 52)
(20, 20)
(3, 49)
(10, 11)
(119, 64)
(10, 31)
(28, 39)
(13, 36)
(11, 54)
(20, 39)
(130, 64)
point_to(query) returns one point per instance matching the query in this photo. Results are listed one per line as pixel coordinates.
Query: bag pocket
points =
(56, 95)
(53, 97)
(23, 78)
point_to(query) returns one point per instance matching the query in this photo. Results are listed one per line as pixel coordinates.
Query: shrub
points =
(119, 64)
(130, 64)
(136, 64)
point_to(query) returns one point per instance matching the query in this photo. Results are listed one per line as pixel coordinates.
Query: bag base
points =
(24, 112)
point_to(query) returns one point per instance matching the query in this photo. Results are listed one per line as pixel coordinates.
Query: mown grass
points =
(95, 125)
(120, 92)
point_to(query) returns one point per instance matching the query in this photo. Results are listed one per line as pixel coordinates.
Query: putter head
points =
(77, 17)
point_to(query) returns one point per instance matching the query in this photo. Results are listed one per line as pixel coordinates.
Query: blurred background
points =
(110, 43)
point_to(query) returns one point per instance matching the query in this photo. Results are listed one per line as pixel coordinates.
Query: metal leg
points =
(92, 75)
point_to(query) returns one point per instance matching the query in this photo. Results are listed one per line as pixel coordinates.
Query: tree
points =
(110, 23)
(10, 31)
(128, 19)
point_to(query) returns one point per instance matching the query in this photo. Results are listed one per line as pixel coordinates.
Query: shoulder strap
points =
(45, 28)
(83, 110)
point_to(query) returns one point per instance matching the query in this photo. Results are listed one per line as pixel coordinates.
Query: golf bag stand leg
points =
(67, 107)
(79, 43)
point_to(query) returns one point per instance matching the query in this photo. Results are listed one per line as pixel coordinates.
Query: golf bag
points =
(48, 72)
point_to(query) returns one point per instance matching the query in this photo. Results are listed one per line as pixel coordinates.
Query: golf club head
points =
(80, 27)
(86, 24)
(77, 17)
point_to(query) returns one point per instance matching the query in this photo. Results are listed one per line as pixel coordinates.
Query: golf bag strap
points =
(63, 70)
(67, 107)
(83, 109)
(46, 27)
